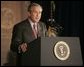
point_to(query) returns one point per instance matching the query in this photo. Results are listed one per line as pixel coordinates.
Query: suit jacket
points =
(22, 32)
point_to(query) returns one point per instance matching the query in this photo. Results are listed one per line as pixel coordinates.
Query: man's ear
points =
(28, 13)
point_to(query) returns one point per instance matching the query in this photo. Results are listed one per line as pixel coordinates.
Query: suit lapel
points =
(30, 31)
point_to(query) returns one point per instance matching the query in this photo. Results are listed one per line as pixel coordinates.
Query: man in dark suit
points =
(25, 35)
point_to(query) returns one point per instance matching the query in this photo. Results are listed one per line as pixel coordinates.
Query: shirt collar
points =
(32, 23)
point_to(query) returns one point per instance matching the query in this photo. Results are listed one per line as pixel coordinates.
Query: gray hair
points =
(32, 5)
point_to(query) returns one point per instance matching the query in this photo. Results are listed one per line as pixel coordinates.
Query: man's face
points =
(35, 13)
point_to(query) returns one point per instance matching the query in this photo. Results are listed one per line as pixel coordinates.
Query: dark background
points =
(68, 14)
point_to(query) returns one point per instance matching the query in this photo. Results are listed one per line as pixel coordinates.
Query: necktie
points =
(35, 31)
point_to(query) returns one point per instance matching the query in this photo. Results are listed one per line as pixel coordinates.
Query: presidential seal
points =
(62, 50)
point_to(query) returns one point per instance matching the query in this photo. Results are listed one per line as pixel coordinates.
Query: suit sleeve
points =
(16, 38)
(44, 30)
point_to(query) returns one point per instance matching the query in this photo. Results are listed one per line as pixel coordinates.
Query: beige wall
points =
(12, 12)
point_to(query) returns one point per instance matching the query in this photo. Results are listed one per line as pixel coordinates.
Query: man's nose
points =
(37, 15)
